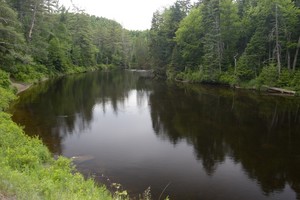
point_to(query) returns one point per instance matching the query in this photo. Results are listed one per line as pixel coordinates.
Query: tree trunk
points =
(296, 55)
(288, 53)
(235, 62)
(277, 41)
(288, 59)
(33, 20)
(220, 44)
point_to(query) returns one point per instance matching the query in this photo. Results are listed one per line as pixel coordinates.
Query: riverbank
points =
(20, 86)
(259, 84)
(28, 169)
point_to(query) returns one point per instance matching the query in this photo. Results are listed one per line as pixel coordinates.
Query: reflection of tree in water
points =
(174, 116)
(65, 105)
(260, 132)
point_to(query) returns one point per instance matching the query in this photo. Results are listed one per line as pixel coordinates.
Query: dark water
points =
(185, 141)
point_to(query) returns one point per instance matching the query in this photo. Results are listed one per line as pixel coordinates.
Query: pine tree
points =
(11, 39)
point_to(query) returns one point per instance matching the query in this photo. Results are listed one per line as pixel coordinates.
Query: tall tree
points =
(188, 38)
(162, 44)
(212, 40)
(83, 51)
(230, 31)
(11, 39)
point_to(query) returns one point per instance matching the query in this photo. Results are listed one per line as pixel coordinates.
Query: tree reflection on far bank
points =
(258, 131)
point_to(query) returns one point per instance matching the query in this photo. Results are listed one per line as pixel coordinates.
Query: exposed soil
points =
(21, 86)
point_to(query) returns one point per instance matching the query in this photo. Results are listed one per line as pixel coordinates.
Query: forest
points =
(238, 43)
(39, 37)
(246, 43)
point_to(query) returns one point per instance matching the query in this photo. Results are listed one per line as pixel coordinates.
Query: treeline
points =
(237, 42)
(40, 37)
(228, 41)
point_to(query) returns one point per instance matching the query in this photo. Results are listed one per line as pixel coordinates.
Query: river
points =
(181, 140)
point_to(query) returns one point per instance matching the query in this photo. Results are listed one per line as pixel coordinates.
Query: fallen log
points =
(279, 90)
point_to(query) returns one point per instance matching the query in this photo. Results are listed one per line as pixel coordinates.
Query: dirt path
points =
(21, 86)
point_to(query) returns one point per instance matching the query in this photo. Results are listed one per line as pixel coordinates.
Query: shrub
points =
(268, 76)
(229, 77)
(295, 82)
(6, 96)
(244, 71)
(28, 170)
(4, 79)
(190, 75)
(30, 73)
(285, 78)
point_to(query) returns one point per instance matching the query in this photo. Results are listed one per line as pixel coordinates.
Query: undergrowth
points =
(29, 171)
(269, 76)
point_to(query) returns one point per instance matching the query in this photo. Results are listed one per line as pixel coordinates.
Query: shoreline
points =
(21, 87)
(39, 163)
(275, 91)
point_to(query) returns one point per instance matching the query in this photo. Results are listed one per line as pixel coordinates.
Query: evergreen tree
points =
(188, 38)
(163, 48)
(11, 39)
(212, 40)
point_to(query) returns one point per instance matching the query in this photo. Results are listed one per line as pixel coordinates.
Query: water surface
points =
(185, 141)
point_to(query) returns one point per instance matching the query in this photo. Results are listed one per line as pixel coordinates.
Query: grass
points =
(29, 171)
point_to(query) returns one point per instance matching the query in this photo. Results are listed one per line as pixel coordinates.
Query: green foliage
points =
(56, 57)
(249, 35)
(11, 38)
(163, 47)
(37, 32)
(28, 170)
(187, 38)
(6, 93)
(140, 55)
(295, 82)
(190, 76)
(6, 96)
(229, 78)
(4, 79)
(268, 76)
(285, 79)
(17, 151)
(245, 71)
(30, 73)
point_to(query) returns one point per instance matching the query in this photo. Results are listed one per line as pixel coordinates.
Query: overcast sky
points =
(132, 14)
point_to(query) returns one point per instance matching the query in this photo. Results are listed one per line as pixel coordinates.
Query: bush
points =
(30, 73)
(4, 79)
(229, 77)
(6, 96)
(268, 76)
(244, 71)
(28, 170)
(285, 78)
(190, 75)
(295, 82)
